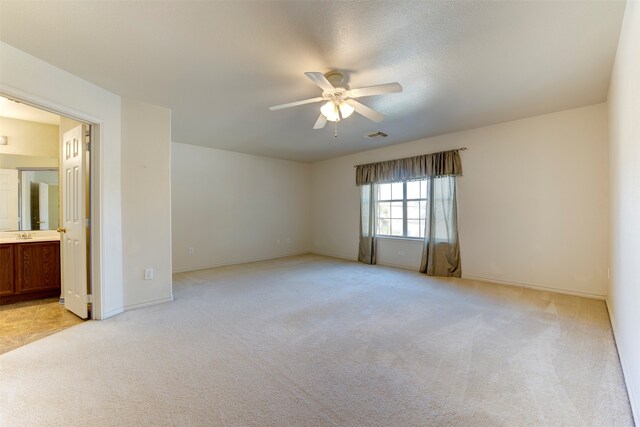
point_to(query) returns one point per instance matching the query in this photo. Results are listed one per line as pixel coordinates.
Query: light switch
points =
(148, 273)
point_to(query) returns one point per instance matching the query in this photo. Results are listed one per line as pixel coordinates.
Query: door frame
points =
(94, 258)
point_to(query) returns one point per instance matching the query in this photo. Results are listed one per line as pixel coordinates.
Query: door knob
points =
(62, 230)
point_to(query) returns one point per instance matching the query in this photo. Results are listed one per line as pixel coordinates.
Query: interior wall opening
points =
(45, 222)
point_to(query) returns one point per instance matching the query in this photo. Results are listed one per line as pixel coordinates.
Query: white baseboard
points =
(536, 287)
(404, 267)
(148, 303)
(634, 397)
(111, 313)
(483, 279)
(332, 255)
(239, 261)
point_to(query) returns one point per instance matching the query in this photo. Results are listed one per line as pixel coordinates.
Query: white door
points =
(9, 199)
(43, 195)
(73, 238)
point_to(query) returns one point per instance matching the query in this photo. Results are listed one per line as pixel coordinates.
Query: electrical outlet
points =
(401, 253)
(190, 251)
(148, 273)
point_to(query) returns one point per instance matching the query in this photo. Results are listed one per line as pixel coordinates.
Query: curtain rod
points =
(455, 149)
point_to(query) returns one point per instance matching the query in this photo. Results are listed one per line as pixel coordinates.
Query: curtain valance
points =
(445, 163)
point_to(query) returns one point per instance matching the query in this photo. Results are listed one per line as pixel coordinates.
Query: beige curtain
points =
(441, 250)
(368, 220)
(445, 163)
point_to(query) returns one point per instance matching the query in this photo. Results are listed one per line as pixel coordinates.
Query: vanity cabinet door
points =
(7, 286)
(37, 266)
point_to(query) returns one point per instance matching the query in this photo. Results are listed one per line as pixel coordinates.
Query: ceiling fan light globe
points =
(346, 110)
(330, 112)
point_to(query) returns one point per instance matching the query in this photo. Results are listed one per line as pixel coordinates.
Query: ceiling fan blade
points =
(320, 80)
(362, 109)
(394, 87)
(296, 103)
(322, 120)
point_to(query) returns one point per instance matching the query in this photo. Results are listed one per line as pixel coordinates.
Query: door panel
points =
(74, 238)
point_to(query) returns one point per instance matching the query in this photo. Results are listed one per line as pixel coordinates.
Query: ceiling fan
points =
(340, 100)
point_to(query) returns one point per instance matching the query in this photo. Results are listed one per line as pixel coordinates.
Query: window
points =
(402, 209)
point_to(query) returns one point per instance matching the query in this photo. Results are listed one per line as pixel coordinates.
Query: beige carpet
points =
(311, 341)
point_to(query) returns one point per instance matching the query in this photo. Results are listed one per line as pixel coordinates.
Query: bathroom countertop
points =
(4, 240)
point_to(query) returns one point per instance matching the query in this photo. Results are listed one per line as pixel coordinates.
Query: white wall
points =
(29, 138)
(26, 77)
(532, 202)
(146, 202)
(624, 124)
(233, 207)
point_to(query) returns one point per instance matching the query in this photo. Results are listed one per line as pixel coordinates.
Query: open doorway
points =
(45, 223)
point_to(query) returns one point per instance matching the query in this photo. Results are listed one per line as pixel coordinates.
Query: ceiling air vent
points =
(376, 135)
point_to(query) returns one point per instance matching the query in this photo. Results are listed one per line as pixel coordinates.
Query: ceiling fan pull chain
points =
(335, 133)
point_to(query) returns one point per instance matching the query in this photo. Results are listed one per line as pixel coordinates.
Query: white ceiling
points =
(220, 65)
(17, 110)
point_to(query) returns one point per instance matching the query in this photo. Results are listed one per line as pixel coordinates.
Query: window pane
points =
(413, 228)
(423, 189)
(396, 210)
(396, 227)
(383, 226)
(423, 210)
(384, 209)
(413, 190)
(413, 210)
(384, 191)
(423, 222)
(397, 190)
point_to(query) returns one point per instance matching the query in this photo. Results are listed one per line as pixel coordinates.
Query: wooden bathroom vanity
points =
(29, 269)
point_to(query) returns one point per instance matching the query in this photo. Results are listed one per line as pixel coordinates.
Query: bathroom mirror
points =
(29, 193)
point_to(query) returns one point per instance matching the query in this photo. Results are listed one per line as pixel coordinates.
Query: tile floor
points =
(24, 322)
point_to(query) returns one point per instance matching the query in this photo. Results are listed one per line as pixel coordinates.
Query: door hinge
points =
(86, 222)
(87, 146)
(89, 299)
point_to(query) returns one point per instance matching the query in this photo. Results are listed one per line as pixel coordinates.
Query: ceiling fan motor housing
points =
(336, 78)
(340, 93)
